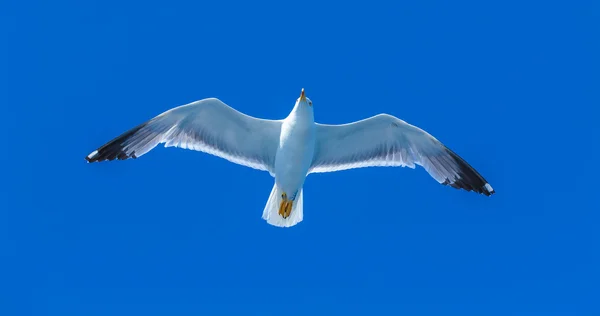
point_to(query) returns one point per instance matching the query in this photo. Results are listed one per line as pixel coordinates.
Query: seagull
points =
(292, 148)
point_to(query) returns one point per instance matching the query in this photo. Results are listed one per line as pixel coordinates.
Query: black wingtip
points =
(469, 179)
(114, 149)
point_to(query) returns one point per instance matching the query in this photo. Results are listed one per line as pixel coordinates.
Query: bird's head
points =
(303, 101)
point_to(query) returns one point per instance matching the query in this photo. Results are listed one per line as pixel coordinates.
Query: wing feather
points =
(207, 125)
(384, 140)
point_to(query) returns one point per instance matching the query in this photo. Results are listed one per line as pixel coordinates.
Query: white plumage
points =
(291, 148)
(207, 125)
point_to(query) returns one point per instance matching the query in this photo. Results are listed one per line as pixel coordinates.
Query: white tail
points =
(271, 212)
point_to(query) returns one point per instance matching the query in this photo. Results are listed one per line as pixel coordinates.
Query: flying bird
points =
(294, 147)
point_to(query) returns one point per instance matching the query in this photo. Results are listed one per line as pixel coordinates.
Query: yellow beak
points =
(302, 96)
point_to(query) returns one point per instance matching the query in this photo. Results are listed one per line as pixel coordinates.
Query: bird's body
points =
(295, 153)
(294, 147)
(292, 162)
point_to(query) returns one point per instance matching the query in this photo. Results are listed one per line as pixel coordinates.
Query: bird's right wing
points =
(208, 125)
(384, 140)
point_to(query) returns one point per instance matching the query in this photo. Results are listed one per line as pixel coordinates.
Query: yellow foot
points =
(285, 208)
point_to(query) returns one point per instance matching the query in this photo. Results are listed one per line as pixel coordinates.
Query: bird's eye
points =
(310, 103)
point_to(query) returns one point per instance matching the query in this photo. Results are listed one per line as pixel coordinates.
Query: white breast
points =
(295, 152)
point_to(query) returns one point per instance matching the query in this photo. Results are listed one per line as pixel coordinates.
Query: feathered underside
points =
(207, 125)
(385, 140)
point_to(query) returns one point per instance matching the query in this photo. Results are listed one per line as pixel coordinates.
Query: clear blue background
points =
(512, 86)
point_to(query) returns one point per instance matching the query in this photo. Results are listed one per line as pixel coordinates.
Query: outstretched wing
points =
(384, 140)
(208, 125)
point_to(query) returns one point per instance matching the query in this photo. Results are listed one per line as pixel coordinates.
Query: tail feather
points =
(276, 205)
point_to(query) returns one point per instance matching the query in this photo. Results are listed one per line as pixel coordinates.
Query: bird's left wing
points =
(384, 140)
(208, 125)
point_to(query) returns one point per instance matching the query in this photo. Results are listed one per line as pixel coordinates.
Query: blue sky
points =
(511, 86)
